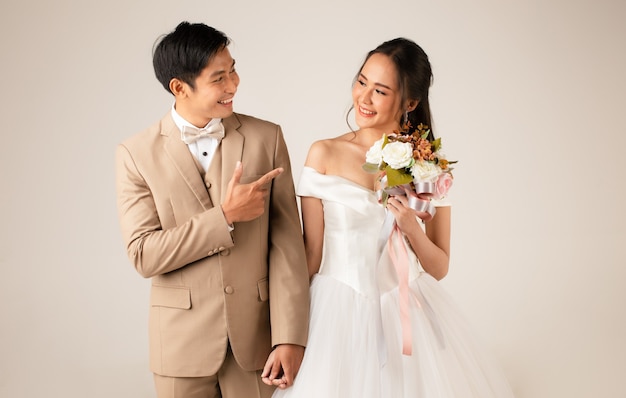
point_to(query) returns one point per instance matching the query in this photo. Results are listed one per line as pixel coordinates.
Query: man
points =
(208, 211)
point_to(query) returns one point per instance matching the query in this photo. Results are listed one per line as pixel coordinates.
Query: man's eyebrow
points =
(221, 71)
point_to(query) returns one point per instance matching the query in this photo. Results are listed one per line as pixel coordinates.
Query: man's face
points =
(213, 94)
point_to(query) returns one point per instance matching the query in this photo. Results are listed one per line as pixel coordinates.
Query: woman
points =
(360, 345)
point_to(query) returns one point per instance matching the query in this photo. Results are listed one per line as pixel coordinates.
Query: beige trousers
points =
(230, 382)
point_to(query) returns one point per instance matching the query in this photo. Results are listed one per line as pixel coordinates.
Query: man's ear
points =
(178, 87)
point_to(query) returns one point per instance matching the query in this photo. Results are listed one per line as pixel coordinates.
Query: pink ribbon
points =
(401, 262)
(423, 188)
(401, 265)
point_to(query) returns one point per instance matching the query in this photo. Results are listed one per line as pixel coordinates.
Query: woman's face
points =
(376, 96)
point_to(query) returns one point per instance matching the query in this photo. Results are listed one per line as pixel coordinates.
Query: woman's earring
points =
(406, 118)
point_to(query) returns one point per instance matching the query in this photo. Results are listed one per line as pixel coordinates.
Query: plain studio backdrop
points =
(527, 95)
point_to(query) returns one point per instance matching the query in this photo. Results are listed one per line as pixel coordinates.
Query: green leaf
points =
(435, 145)
(385, 140)
(397, 177)
(370, 167)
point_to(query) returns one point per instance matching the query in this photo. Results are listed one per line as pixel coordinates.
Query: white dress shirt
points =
(204, 148)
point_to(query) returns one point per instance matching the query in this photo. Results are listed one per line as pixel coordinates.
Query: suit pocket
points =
(171, 297)
(264, 289)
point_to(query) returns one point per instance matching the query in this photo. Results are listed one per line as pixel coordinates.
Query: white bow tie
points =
(191, 134)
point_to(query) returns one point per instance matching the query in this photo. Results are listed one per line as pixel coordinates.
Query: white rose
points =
(425, 171)
(374, 154)
(398, 154)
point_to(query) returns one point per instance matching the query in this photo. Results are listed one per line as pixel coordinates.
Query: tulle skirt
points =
(355, 347)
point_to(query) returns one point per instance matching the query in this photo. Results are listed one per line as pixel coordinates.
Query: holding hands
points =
(283, 365)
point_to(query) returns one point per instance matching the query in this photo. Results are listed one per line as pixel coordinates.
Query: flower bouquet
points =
(411, 162)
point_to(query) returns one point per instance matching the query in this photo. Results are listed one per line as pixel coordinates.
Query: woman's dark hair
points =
(414, 77)
(185, 52)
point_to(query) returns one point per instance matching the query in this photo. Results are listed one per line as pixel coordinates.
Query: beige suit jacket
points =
(209, 285)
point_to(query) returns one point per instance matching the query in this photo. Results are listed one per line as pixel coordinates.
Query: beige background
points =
(528, 96)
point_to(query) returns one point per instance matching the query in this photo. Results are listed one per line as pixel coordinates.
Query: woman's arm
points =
(313, 210)
(432, 246)
(313, 227)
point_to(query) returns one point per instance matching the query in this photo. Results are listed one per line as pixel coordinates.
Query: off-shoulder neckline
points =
(350, 182)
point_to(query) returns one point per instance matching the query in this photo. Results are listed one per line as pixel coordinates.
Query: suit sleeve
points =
(289, 280)
(152, 249)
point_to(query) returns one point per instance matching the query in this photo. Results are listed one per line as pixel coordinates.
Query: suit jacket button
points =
(229, 290)
(225, 252)
(208, 184)
(211, 253)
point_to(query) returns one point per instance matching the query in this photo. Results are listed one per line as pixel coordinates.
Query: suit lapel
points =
(179, 153)
(228, 153)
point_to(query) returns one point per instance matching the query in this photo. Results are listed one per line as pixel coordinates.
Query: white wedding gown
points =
(355, 337)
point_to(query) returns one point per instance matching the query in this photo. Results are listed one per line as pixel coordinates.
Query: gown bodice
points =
(352, 223)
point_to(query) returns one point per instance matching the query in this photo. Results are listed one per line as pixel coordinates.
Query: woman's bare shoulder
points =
(324, 151)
